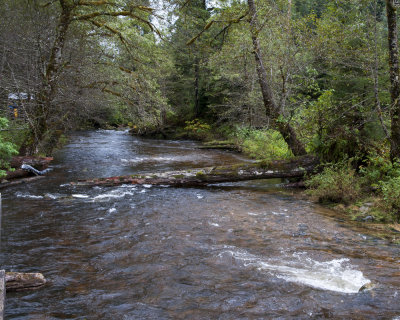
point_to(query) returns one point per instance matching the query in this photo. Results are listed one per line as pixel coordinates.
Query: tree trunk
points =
(394, 80)
(273, 111)
(295, 168)
(196, 88)
(375, 75)
(49, 83)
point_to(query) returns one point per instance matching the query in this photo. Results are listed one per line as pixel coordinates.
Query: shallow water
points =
(230, 251)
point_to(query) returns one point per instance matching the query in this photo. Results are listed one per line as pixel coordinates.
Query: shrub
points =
(262, 144)
(336, 183)
(384, 177)
(197, 129)
(378, 168)
(390, 190)
(7, 150)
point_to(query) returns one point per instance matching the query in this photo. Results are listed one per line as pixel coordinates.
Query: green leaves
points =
(7, 150)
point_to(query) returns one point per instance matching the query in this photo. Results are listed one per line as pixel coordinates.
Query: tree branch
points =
(209, 24)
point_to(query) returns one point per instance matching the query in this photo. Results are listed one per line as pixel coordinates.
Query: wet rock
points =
(366, 287)
(16, 281)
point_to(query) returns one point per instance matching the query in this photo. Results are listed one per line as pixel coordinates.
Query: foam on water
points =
(111, 210)
(335, 275)
(117, 193)
(80, 196)
(149, 159)
(213, 224)
(252, 214)
(28, 196)
(112, 195)
(52, 196)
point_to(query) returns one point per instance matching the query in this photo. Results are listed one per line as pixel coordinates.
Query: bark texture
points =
(394, 80)
(273, 110)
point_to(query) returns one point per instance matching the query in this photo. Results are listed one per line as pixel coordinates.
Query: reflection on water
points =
(230, 251)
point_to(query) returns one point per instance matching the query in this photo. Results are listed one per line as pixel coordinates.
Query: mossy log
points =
(5, 184)
(39, 163)
(295, 168)
(16, 281)
(230, 147)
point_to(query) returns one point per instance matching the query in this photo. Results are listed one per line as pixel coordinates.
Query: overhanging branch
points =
(209, 24)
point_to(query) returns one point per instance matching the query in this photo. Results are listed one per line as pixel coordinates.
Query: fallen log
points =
(40, 163)
(293, 168)
(6, 183)
(229, 147)
(16, 281)
(35, 171)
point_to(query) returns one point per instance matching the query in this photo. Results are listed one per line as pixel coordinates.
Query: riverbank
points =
(358, 217)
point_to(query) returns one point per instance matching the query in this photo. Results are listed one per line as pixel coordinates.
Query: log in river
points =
(295, 168)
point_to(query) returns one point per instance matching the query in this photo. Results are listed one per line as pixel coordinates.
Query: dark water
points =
(244, 251)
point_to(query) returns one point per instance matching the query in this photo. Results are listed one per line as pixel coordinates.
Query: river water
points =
(232, 251)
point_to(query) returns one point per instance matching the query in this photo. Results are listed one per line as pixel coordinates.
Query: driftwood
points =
(19, 181)
(16, 281)
(39, 163)
(295, 168)
(35, 171)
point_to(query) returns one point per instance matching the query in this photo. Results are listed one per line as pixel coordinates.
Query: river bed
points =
(246, 250)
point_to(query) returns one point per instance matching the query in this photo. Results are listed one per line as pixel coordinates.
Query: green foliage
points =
(262, 144)
(384, 176)
(197, 126)
(378, 168)
(336, 183)
(390, 190)
(7, 150)
(197, 129)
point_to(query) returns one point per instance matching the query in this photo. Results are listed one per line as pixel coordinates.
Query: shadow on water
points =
(232, 251)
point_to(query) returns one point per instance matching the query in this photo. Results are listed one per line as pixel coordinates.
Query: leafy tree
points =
(7, 150)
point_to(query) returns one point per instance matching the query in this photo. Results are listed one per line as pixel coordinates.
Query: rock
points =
(366, 287)
(16, 281)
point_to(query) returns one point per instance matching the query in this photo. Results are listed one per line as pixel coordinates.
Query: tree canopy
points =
(320, 73)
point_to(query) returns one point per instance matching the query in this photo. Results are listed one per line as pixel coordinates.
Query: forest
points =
(275, 80)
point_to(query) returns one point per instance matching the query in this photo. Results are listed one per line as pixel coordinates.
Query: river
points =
(232, 251)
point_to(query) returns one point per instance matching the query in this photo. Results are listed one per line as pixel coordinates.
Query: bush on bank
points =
(7, 148)
(378, 179)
